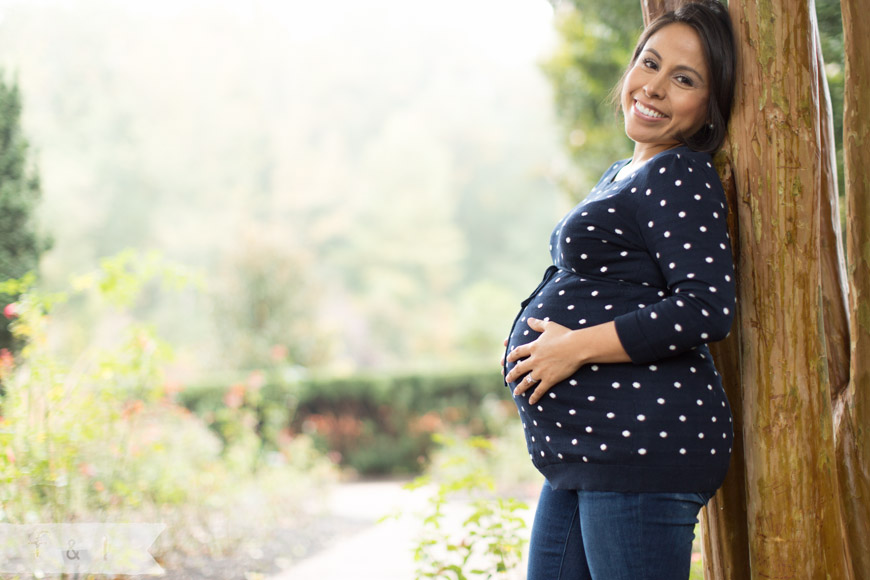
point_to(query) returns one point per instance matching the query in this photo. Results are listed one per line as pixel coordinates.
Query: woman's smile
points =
(648, 111)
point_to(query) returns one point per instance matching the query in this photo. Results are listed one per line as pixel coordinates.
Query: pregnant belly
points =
(576, 302)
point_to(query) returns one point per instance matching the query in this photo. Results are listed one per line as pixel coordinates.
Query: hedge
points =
(375, 423)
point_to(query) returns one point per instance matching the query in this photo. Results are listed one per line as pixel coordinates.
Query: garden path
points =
(383, 551)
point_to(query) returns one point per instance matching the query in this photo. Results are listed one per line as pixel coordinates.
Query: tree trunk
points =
(724, 528)
(794, 513)
(852, 408)
(652, 9)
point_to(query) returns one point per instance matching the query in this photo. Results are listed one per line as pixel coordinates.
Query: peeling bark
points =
(834, 284)
(852, 409)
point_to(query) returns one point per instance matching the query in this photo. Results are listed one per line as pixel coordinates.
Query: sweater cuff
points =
(630, 333)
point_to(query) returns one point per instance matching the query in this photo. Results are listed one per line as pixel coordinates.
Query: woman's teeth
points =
(647, 112)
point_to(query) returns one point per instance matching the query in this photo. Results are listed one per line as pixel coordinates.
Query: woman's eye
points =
(684, 80)
(649, 63)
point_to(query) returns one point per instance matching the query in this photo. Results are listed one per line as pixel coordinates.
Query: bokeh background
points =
(276, 246)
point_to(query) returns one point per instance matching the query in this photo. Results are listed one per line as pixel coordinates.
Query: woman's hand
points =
(550, 358)
(559, 352)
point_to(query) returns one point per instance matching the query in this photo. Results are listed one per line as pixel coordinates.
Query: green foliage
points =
(266, 306)
(490, 540)
(596, 41)
(20, 193)
(831, 32)
(372, 423)
(96, 432)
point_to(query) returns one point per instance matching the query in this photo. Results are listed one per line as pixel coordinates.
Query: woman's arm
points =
(559, 352)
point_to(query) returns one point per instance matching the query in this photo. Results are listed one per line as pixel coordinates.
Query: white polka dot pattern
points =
(665, 275)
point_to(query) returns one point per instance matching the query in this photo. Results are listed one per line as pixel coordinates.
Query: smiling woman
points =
(665, 94)
(700, 59)
(621, 404)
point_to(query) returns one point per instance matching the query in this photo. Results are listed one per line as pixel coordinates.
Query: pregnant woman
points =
(621, 404)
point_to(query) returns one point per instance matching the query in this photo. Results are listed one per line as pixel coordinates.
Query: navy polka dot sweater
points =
(651, 252)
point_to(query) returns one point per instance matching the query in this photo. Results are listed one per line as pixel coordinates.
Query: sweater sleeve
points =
(682, 220)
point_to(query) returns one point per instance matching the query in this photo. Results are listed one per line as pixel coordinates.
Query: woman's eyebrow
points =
(678, 67)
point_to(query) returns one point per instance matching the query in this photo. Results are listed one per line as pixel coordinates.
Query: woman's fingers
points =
(540, 388)
(520, 352)
(524, 385)
(539, 392)
(515, 372)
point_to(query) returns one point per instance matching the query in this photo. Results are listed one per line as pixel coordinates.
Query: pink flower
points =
(7, 362)
(256, 380)
(11, 310)
(278, 352)
(235, 396)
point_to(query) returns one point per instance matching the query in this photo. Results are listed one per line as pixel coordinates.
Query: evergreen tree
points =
(20, 242)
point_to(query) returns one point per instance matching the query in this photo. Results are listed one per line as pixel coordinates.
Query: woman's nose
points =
(654, 87)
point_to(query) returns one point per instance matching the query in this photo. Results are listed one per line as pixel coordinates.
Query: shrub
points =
(375, 423)
(94, 431)
(490, 538)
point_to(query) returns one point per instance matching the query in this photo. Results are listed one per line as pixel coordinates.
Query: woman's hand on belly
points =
(559, 352)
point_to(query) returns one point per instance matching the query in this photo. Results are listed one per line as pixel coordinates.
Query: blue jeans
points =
(602, 535)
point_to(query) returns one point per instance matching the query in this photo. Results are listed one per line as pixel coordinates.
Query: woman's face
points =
(666, 92)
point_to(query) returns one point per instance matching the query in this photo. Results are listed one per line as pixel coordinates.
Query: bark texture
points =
(724, 528)
(852, 409)
(793, 509)
(652, 9)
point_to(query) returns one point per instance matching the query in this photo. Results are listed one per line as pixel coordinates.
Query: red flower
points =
(11, 310)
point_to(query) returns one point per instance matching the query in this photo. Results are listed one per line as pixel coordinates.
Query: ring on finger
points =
(530, 380)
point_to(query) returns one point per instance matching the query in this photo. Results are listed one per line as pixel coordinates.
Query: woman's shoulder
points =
(682, 166)
(681, 158)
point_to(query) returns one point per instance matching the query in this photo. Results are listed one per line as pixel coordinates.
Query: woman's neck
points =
(643, 152)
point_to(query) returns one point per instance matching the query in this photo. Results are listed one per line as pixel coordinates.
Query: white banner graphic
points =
(93, 548)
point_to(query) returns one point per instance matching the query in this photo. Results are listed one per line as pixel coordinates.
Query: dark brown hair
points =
(709, 18)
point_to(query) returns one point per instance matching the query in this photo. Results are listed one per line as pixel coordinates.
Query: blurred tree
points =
(21, 244)
(267, 302)
(595, 44)
(179, 140)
